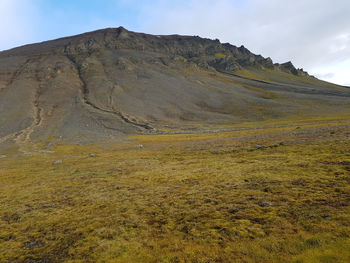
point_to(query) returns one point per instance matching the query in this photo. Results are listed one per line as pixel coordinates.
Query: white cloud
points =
(311, 33)
(337, 72)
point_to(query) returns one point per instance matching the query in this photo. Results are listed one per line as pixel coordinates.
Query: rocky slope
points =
(113, 82)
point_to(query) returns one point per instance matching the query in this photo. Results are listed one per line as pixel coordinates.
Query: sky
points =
(313, 34)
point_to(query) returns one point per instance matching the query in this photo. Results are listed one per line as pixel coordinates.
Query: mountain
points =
(113, 82)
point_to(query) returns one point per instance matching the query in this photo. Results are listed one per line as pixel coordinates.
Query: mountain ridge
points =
(288, 66)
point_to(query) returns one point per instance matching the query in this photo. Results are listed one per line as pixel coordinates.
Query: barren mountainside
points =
(114, 82)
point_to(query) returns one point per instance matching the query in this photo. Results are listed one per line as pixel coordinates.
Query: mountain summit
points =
(113, 82)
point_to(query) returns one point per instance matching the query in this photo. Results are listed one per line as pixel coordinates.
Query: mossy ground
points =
(183, 198)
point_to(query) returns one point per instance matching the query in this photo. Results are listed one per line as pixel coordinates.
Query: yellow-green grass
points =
(183, 198)
(250, 74)
(329, 118)
(220, 55)
(258, 74)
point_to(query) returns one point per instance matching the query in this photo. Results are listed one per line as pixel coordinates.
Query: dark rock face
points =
(203, 52)
(110, 83)
(289, 67)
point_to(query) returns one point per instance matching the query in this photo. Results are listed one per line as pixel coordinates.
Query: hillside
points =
(113, 82)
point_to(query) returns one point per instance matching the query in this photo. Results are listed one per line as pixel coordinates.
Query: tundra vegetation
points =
(263, 194)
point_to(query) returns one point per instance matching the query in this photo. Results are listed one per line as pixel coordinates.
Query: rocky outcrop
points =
(203, 52)
(289, 67)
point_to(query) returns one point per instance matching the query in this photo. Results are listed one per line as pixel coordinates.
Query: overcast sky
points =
(313, 34)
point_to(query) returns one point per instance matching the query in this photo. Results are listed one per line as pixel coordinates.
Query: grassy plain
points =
(276, 194)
